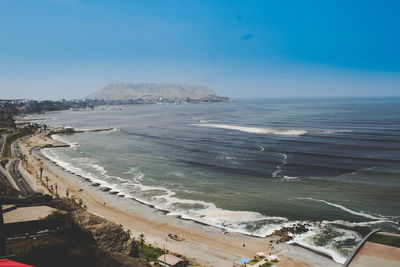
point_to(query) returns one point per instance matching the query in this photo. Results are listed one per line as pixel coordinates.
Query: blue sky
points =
(70, 48)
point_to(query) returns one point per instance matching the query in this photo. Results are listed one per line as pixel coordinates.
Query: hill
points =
(127, 91)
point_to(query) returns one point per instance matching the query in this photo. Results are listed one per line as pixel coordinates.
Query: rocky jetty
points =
(286, 234)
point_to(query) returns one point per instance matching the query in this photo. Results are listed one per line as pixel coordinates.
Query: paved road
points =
(13, 169)
(3, 177)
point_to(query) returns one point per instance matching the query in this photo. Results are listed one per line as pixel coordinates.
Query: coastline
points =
(204, 244)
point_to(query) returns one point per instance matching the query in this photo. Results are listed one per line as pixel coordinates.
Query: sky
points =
(51, 49)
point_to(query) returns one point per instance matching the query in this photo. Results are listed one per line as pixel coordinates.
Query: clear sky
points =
(69, 48)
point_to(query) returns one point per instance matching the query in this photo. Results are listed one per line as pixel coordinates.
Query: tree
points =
(47, 182)
(41, 171)
(141, 237)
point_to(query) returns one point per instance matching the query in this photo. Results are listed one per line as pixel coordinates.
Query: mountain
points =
(127, 91)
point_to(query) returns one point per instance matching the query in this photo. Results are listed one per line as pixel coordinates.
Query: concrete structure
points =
(171, 261)
(377, 249)
(241, 262)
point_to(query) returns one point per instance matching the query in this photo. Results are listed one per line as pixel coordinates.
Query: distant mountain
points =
(127, 91)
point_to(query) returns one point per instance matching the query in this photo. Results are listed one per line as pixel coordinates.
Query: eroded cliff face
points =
(108, 235)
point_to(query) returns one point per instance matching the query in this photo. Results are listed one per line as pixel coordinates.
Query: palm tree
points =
(141, 236)
(41, 171)
(47, 182)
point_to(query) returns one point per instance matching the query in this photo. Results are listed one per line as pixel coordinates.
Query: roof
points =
(10, 263)
(169, 259)
(243, 260)
(377, 249)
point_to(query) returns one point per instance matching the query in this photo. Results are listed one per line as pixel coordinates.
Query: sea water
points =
(252, 166)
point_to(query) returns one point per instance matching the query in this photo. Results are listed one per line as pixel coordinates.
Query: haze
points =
(71, 48)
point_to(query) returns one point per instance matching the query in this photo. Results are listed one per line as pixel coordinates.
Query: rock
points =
(286, 234)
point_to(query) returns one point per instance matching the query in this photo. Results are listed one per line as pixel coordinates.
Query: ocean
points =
(252, 166)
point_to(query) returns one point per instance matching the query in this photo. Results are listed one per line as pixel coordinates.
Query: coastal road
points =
(19, 180)
(13, 169)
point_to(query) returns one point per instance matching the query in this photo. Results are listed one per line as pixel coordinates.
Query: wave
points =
(358, 213)
(59, 138)
(358, 171)
(356, 224)
(327, 247)
(289, 178)
(132, 170)
(280, 166)
(253, 129)
(258, 130)
(52, 156)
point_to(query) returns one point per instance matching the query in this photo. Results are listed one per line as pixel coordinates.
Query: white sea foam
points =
(332, 131)
(306, 240)
(59, 138)
(259, 130)
(50, 154)
(289, 178)
(280, 166)
(358, 213)
(358, 171)
(177, 173)
(132, 170)
(254, 130)
(226, 157)
(98, 168)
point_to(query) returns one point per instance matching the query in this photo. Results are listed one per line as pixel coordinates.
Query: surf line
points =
(358, 213)
(280, 166)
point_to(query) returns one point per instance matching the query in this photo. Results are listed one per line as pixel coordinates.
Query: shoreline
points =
(203, 243)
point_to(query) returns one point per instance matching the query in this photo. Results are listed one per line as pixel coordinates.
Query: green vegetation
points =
(10, 138)
(266, 264)
(253, 261)
(150, 253)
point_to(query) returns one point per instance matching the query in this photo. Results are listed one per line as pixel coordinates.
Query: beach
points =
(203, 244)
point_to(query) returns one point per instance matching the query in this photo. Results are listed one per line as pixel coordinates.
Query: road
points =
(3, 177)
(13, 169)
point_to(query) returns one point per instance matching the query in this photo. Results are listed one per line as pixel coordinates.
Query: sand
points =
(205, 245)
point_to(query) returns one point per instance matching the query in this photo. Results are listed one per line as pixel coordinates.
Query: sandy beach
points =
(203, 244)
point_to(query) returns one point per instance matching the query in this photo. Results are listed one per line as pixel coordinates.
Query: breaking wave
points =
(259, 130)
(253, 130)
(358, 213)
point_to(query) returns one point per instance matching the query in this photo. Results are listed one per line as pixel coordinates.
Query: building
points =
(171, 261)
